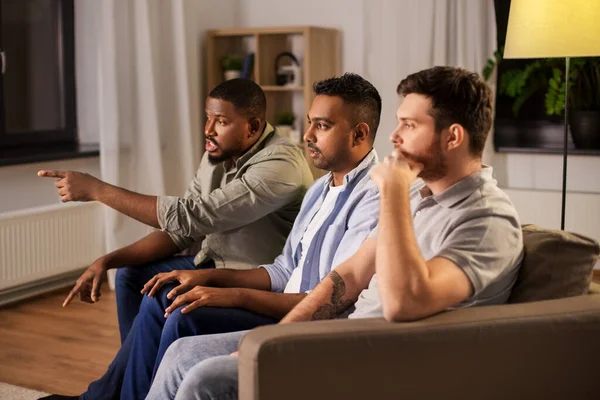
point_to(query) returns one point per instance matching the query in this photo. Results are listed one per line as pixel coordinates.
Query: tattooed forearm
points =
(337, 306)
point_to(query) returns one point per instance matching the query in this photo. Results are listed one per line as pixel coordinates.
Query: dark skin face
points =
(336, 143)
(229, 134)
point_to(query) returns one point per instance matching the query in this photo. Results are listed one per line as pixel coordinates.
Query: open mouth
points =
(210, 146)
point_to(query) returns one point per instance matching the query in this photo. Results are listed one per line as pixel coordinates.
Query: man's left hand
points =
(395, 171)
(74, 186)
(202, 296)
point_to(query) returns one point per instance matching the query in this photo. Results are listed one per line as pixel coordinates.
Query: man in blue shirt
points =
(337, 215)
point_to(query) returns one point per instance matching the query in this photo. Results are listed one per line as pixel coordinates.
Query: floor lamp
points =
(554, 28)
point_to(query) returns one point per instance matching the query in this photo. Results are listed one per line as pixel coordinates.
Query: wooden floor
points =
(57, 350)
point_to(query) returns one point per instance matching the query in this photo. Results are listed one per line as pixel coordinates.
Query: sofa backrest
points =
(556, 264)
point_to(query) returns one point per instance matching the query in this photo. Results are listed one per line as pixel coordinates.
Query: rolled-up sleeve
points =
(264, 188)
(281, 269)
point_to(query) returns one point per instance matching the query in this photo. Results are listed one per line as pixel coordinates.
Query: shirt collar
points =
(370, 159)
(461, 189)
(256, 147)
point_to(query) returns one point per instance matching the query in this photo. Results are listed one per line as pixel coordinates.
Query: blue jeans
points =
(199, 368)
(130, 281)
(130, 374)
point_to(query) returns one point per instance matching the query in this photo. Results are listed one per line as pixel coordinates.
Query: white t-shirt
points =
(293, 285)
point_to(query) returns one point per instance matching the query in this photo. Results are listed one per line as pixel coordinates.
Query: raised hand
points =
(74, 186)
(395, 170)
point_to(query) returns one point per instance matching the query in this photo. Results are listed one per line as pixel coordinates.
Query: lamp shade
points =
(553, 28)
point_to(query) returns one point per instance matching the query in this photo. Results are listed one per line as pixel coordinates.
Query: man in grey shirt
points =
(450, 239)
(243, 201)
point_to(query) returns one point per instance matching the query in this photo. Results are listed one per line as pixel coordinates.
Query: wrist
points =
(240, 296)
(393, 189)
(96, 190)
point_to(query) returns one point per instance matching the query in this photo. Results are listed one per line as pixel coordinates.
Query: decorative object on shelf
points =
(232, 66)
(247, 66)
(288, 75)
(285, 123)
(556, 29)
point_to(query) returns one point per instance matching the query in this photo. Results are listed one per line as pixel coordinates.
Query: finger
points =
(96, 288)
(178, 302)
(192, 306)
(235, 353)
(85, 295)
(149, 284)
(177, 290)
(159, 283)
(65, 198)
(59, 183)
(70, 296)
(63, 192)
(52, 174)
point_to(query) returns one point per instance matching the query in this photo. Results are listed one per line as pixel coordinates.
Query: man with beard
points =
(451, 239)
(243, 201)
(338, 213)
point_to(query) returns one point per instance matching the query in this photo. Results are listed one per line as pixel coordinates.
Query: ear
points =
(360, 133)
(254, 126)
(456, 136)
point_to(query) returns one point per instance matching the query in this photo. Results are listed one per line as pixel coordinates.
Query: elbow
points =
(396, 312)
(404, 310)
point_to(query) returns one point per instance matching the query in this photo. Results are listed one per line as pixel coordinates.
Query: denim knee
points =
(211, 379)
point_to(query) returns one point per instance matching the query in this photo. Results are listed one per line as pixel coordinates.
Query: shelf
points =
(275, 88)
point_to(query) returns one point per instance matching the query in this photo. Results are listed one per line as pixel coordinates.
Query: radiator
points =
(44, 248)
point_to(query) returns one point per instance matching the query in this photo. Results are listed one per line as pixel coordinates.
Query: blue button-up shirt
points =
(353, 217)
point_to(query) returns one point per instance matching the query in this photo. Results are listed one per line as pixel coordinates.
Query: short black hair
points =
(358, 93)
(457, 96)
(246, 96)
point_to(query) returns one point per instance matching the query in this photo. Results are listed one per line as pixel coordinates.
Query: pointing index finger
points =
(52, 174)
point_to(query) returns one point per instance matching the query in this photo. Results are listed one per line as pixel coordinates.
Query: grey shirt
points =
(243, 210)
(472, 223)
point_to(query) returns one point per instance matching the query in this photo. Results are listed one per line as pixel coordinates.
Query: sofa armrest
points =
(543, 349)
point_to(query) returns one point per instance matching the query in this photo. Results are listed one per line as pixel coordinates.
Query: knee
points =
(176, 321)
(211, 378)
(151, 305)
(126, 275)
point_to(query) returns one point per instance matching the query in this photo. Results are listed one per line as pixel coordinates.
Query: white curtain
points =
(135, 96)
(406, 36)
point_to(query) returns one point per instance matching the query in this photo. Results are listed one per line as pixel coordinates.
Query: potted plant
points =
(548, 75)
(584, 101)
(285, 126)
(232, 66)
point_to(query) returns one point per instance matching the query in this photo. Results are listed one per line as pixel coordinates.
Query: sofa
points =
(543, 344)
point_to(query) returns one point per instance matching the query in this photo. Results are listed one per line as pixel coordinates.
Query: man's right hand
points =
(186, 279)
(88, 284)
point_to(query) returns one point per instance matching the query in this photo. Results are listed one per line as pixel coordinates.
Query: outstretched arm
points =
(79, 186)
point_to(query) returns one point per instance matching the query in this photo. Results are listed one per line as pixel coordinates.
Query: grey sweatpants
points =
(199, 367)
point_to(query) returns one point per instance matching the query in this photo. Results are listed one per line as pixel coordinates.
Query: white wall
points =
(21, 188)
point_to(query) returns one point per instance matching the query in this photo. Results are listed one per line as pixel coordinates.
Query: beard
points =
(434, 161)
(224, 155)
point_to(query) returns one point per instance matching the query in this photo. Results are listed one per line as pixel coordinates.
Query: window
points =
(37, 84)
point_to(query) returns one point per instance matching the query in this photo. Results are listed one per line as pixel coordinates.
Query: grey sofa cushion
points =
(557, 264)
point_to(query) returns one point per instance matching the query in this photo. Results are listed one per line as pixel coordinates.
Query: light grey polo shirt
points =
(243, 210)
(472, 223)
